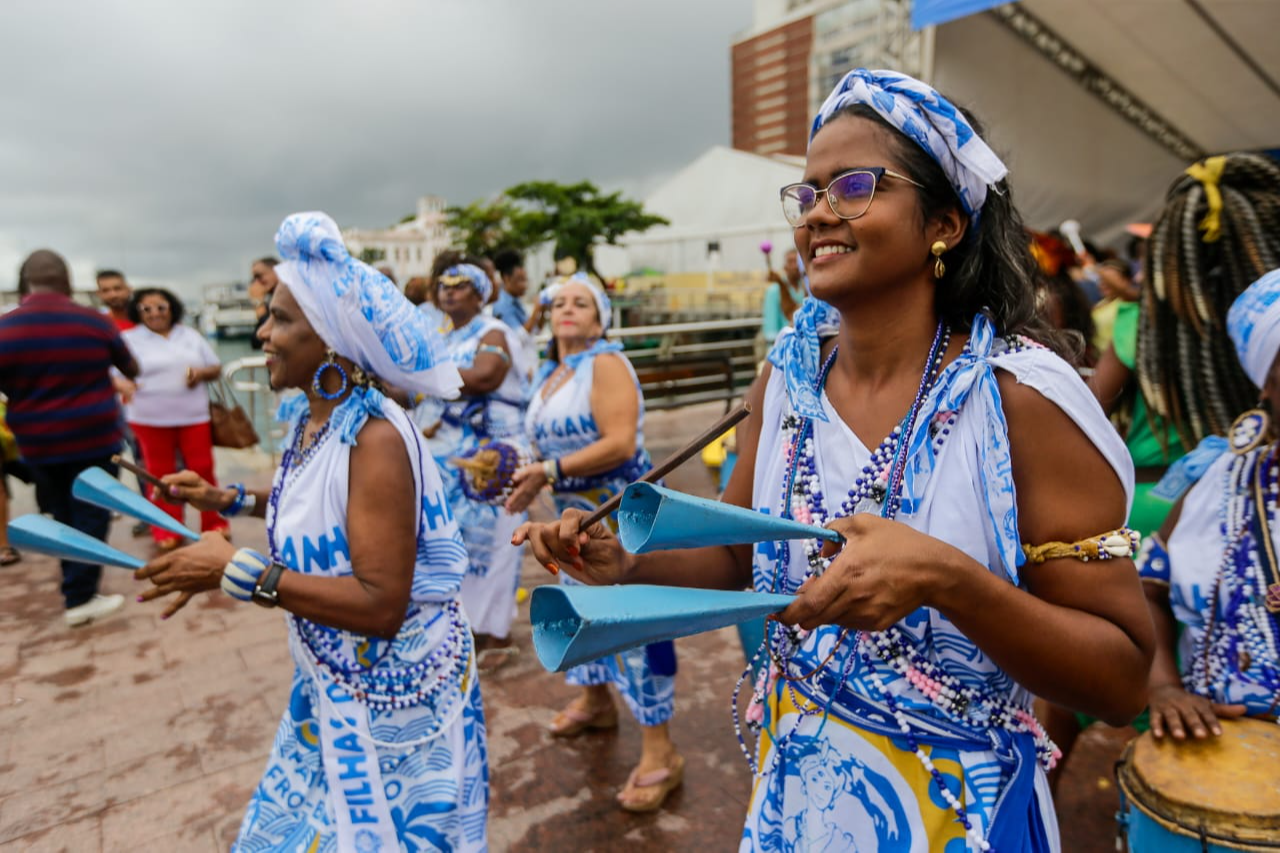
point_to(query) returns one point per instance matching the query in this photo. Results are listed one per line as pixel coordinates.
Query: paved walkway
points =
(135, 734)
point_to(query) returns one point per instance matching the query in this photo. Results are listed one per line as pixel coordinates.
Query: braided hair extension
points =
(1186, 364)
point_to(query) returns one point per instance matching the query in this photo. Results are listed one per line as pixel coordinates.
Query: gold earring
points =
(939, 268)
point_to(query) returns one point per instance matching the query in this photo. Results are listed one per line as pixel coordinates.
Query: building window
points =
(771, 103)
(770, 88)
(772, 147)
(770, 58)
(770, 73)
(771, 117)
(770, 41)
(767, 132)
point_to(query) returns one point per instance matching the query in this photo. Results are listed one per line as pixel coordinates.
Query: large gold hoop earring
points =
(939, 268)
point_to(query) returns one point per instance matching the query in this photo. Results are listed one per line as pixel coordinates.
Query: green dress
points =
(1144, 442)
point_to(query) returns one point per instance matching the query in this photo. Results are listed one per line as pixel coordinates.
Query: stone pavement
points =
(145, 735)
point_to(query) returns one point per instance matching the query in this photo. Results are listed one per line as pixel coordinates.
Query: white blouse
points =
(163, 398)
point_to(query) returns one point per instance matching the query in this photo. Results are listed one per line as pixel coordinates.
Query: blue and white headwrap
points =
(1254, 325)
(358, 312)
(603, 306)
(479, 279)
(931, 120)
(919, 112)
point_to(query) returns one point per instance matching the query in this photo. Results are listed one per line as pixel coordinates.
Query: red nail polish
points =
(138, 599)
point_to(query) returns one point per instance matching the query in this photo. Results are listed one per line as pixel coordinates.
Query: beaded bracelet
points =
(241, 575)
(237, 504)
(1122, 542)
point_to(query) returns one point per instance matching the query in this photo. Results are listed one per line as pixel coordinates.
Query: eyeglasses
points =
(849, 194)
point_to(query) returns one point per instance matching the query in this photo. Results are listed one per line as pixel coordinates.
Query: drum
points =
(1218, 794)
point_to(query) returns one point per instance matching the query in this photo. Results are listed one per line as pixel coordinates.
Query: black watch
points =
(265, 594)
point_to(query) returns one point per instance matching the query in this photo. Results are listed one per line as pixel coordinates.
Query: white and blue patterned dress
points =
(847, 781)
(343, 775)
(560, 425)
(493, 573)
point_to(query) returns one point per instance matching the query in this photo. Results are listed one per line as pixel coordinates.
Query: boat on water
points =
(227, 311)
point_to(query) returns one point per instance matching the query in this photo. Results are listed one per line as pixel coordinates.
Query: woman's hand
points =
(529, 480)
(1176, 711)
(189, 487)
(594, 556)
(186, 571)
(884, 571)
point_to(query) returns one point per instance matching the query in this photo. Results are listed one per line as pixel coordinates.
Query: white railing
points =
(248, 376)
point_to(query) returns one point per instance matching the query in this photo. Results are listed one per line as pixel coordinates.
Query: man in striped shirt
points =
(55, 361)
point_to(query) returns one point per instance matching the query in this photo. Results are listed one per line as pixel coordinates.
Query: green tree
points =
(577, 216)
(485, 227)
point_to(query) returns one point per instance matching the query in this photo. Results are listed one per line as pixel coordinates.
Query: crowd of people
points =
(992, 419)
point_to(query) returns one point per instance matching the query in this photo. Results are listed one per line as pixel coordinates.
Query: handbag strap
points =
(220, 392)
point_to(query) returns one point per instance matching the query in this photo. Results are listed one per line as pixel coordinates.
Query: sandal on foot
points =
(573, 721)
(496, 657)
(9, 556)
(656, 784)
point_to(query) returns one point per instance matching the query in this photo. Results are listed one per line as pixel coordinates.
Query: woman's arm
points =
(382, 521)
(596, 556)
(1078, 635)
(488, 369)
(1109, 379)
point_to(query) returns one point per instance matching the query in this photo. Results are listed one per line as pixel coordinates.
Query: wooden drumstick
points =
(141, 473)
(673, 461)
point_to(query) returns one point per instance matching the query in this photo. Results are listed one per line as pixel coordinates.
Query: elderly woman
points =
(586, 423)
(382, 745)
(909, 410)
(169, 410)
(1219, 577)
(489, 411)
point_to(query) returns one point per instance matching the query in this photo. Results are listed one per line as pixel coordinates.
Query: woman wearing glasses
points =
(169, 411)
(490, 410)
(911, 410)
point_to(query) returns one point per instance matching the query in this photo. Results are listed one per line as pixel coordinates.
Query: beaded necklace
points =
(1240, 640)
(879, 489)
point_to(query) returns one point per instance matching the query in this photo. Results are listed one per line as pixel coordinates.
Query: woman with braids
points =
(909, 411)
(1218, 580)
(1171, 371)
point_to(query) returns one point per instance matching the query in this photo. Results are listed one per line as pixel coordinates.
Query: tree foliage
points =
(575, 216)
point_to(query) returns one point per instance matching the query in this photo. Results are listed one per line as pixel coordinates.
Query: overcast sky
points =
(170, 138)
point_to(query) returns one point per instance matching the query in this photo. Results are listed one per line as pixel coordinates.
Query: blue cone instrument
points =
(573, 625)
(46, 536)
(95, 486)
(653, 518)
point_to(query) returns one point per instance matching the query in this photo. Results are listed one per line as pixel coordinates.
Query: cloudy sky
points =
(170, 138)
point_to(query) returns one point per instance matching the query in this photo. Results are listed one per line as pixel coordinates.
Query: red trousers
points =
(160, 447)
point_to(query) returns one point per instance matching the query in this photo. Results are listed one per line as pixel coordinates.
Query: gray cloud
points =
(170, 138)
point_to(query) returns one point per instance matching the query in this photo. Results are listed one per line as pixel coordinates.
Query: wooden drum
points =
(1218, 794)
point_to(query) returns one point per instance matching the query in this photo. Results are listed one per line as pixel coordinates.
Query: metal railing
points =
(721, 364)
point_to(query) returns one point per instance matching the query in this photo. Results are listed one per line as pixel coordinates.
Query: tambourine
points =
(486, 471)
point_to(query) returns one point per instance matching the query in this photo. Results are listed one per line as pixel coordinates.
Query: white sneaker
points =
(94, 608)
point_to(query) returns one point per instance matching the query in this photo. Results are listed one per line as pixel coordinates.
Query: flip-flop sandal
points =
(572, 721)
(9, 556)
(662, 782)
(503, 655)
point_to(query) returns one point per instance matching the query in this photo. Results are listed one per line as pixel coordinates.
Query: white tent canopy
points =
(726, 197)
(1071, 156)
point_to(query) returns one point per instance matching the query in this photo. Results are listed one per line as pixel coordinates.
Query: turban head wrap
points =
(937, 126)
(1254, 325)
(603, 306)
(478, 278)
(933, 122)
(358, 312)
